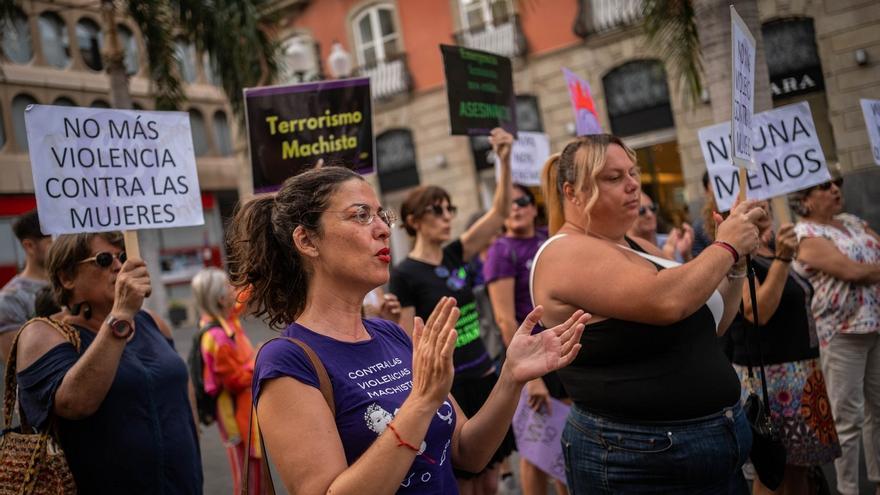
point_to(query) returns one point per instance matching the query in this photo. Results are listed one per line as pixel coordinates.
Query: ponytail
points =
(552, 194)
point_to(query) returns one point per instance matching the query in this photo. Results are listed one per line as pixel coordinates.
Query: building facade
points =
(826, 52)
(51, 54)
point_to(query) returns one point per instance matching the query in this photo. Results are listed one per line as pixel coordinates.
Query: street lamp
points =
(339, 61)
(296, 56)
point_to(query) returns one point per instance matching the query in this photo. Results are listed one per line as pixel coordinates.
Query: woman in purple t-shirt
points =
(310, 254)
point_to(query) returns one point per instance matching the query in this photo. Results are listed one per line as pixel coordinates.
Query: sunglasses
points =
(437, 210)
(643, 210)
(522, 201)
(826, 186)
(105, 259)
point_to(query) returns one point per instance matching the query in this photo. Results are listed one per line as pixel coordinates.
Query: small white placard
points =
(871, 109)
(787, 153)
(527, 157)
(743, 90)
(97, 170)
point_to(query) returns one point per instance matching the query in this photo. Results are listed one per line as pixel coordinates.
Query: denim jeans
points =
(697, 456)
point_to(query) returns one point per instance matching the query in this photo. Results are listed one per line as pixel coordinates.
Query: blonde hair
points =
(580, 160)
(209, 286)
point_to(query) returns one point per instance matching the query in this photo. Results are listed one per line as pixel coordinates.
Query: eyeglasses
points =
(105, 259)
(826, 186)
(643, 210)
(437, 210)
(364, 215)
(522, 201)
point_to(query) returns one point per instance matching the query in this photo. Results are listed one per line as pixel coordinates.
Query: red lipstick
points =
(384, 254)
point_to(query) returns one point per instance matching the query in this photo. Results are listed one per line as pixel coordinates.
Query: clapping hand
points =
(433, 346)
(532, 356)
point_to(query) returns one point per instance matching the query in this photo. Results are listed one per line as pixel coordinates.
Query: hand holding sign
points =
(739, 229)
(502, 142)
(132, 286)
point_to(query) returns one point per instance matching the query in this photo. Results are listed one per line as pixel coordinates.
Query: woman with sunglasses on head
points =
(311, 253)
(656, 403)
(840, 255)
(433, 271)
(121, 405)
(507, 277)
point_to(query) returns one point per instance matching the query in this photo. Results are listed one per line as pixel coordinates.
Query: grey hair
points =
(209, 286)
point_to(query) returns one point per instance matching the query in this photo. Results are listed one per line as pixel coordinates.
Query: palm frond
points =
(671, 25)
(155, 20)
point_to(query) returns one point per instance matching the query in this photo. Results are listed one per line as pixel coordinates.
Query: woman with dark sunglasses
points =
(840, 255)
(433, 271)
(121, 403)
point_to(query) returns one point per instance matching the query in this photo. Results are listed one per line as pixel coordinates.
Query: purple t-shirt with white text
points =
(371, 379)
(512, 257)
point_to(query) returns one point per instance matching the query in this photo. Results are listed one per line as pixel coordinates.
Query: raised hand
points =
(501, 142)
(786, 242)
(532, 356)
(390, 308)
(433, 345)
(739, 229)
(132, 286)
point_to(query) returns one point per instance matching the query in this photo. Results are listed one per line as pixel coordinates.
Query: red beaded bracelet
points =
(729, 248)
(403, 443)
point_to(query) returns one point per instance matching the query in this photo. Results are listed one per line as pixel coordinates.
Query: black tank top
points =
(634, 371)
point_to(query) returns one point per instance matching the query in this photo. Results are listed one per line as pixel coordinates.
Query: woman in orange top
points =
(228, 358)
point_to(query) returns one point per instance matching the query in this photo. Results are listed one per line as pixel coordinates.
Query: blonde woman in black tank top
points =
(656, 402)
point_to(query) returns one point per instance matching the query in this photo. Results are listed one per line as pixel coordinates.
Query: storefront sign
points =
(585, 117)
(99, 170)
(787, 153)
(479, 88)
(290, 128)
(792, 57)
(743, 91)
(871, 110)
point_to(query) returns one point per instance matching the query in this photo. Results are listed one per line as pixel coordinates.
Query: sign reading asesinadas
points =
(291, 127)
(479, 87)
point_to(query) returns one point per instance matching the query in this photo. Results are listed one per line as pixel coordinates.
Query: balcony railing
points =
(388, 78)
(599, 16)
(504, 38)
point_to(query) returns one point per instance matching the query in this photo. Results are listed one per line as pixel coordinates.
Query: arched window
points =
(211, 73)
(376, 36)
(130, 49)
(19, 104)
(477, 15)
(396, 158)
(63, 101)
(88, 36)
(199, 136)
(637, 98)
(222, 136)
(100, 104)
(53, 38)
(17, 44)
(186, 60)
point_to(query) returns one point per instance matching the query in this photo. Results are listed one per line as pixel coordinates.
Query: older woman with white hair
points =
(228, 358)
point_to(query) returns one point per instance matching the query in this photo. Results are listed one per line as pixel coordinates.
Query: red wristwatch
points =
(121, 328)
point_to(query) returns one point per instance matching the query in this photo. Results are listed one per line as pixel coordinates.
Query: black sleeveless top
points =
(635, 371)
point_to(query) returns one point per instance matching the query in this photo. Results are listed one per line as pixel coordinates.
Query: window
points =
(130, 49)
(479, 15)
(186, 60)
(53, 37)
(300, 58)
(638, 98)
(396, 155)
(211, 73)
(199, 136)
(19, 104)
(222, 136)
(100, 104)
(88, 36)
(375, 35)
(17, 38)
(64, 101)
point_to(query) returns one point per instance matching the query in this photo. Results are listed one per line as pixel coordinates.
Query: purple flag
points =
(538, 435)
(585, 116)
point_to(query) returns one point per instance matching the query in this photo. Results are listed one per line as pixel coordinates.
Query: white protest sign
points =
(871, 109)
(787, 153)
(743, 91)
(527, 157)
(97, 170)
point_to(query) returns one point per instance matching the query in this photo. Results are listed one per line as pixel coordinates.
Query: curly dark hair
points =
(262, 255)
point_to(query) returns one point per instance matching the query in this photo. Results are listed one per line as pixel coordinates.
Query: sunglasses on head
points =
(437, 210)
(643, 210)
(826, 186)
(522, 201)
(105, 259)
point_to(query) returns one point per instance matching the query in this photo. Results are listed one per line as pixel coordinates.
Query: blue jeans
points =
(702, 455)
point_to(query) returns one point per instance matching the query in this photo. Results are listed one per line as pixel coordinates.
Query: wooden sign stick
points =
(132, 248)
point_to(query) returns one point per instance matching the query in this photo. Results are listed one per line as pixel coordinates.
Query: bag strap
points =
(10, 377)
(756, 326)
(326, 388)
